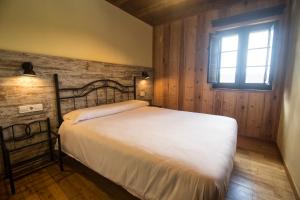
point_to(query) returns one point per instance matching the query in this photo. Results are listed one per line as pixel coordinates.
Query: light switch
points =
(31, 108)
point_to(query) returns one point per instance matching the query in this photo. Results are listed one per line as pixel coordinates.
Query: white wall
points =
(289, 131)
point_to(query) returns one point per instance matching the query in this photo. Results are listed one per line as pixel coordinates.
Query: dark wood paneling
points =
(257, 112)
(156, 12)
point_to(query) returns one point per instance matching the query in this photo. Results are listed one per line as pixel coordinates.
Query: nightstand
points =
(151, 103)
(27, 148)
(156, 106)
(149, 100)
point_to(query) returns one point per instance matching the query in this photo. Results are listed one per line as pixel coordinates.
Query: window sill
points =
(249, 88)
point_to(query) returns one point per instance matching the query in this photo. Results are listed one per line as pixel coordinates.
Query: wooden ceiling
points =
(156, 12)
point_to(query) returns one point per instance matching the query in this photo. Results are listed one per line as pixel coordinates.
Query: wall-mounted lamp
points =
(28, 69)
(145, 75)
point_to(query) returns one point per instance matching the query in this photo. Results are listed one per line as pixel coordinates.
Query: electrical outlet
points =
(31, 108)
(142, 93)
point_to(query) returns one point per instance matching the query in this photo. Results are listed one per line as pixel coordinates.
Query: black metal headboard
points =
(75, 93)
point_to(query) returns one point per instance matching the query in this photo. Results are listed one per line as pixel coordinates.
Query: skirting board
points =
(291, 180)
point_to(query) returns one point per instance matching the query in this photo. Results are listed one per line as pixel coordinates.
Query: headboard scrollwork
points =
(104, 91)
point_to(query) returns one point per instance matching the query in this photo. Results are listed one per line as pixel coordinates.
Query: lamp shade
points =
(145, 75)
(28, 69)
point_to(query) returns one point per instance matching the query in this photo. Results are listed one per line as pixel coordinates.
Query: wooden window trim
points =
(243, 33)
(253, 15)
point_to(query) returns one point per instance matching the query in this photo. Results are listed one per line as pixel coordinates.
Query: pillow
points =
(103, 110)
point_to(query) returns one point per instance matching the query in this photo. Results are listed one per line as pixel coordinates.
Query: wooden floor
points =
(258, 174)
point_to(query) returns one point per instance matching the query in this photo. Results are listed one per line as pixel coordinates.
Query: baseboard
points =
(291, 180)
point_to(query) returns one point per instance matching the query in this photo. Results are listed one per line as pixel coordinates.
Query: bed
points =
(154, 153)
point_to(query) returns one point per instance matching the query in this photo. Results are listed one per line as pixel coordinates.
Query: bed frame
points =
(74, 93)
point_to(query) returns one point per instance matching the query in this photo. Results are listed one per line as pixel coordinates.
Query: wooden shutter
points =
(213, 59)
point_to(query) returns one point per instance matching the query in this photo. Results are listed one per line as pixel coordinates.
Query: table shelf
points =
(14, 143)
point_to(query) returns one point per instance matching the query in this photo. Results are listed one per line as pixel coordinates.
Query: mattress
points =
(157, 153)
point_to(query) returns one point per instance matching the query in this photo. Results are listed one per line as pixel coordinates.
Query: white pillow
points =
(103, 110)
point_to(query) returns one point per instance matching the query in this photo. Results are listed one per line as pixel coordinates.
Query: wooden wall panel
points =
(189, 61)
(241, 111)
(267, 116)
(200, 61)
(166, 61)
(256, 112)
(228, 104)
(158, 62)
(174, 63)
(254, 115)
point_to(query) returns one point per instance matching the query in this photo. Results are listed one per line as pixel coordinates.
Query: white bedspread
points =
(157, 153)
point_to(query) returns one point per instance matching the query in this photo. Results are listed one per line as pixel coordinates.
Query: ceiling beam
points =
(155, 7)
(156, 12)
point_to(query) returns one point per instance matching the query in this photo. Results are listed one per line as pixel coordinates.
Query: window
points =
(242, 58)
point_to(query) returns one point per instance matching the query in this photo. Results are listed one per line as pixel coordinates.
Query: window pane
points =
(228, 59)
(227, 75)
(255, 74)
(271, 36)
(230, 43)
(257, 57)
(258, 39)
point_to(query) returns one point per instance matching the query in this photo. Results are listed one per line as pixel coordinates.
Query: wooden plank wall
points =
(16, 90)
(180, 68)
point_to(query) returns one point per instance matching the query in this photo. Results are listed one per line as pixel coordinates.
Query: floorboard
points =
(258, 174)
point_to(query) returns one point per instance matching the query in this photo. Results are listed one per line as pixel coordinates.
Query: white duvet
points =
(157, 153)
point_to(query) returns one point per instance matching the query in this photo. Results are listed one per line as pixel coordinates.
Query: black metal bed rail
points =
(105, 81)
(95, 87)
(84, 94)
